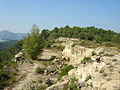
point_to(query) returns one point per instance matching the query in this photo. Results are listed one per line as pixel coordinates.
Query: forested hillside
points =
(7, 66)
(7, 44)
(87, 33)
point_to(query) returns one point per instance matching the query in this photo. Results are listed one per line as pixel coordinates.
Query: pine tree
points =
(33, 43)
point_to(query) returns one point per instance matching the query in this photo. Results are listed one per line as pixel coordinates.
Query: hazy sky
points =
(19, 15)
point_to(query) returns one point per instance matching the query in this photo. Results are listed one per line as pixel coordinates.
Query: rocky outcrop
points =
(76, 54)
(58, 86)
(100, 74)
(67, 39)
(83, 71)
(19, 57)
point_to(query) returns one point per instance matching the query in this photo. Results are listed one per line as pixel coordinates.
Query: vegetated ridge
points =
(54, 63)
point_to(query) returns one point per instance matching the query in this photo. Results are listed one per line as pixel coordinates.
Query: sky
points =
(20, 15)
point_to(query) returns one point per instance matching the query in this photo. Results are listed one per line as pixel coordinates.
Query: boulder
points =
(96, 58)
(19, 57)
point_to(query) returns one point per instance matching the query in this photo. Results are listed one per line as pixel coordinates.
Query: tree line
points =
(87, 33)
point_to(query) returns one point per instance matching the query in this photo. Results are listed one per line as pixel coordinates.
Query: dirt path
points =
(26, 82)
(47, 54)
(28, 72)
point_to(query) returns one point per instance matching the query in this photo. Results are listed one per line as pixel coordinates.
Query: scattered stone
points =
(96, 58)
(49, 82)
(58, 85)
(19, 56)
(80, 85)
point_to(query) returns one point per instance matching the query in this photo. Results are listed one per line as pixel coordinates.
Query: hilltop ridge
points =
(92, 68)
(67, 58)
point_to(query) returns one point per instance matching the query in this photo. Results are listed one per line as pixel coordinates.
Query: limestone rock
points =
(83, 71)
(76, 54)
(19, 57)
(58, 85)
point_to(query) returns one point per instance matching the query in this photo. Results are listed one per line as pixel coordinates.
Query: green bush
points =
(86, 59)
(39, 70)
(46, 63)
(6, 78)
(101, 71)
(72, 85)
(41, 87)
(74, 45)
(52, 58)
(65, 70)
(108, 44)
(84, 43)
(61, 48)
(49, 43)
(3, 75)
(93, 53)
(40, 81)
(88, 78)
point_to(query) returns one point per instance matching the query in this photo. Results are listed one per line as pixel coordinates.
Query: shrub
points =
(7, 75)
(73, 45)
(52, 58)
(101, 71)
(83, 43)
(88, 78)
(3, 76)
(40, 81)
(61, 48)
(93, 53)
(65, 70)
(105, 74)
(86, 59)
(48, 44)
(102, 52)
(72, 85)
(41, 87)
(108, 44)
(45, 63)
(39, 70)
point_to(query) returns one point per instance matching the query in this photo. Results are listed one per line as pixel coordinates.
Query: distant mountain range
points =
(7, 35)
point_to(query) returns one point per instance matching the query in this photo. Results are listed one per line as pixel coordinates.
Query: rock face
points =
(47, 54)
(83, 71)
(76, 54)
